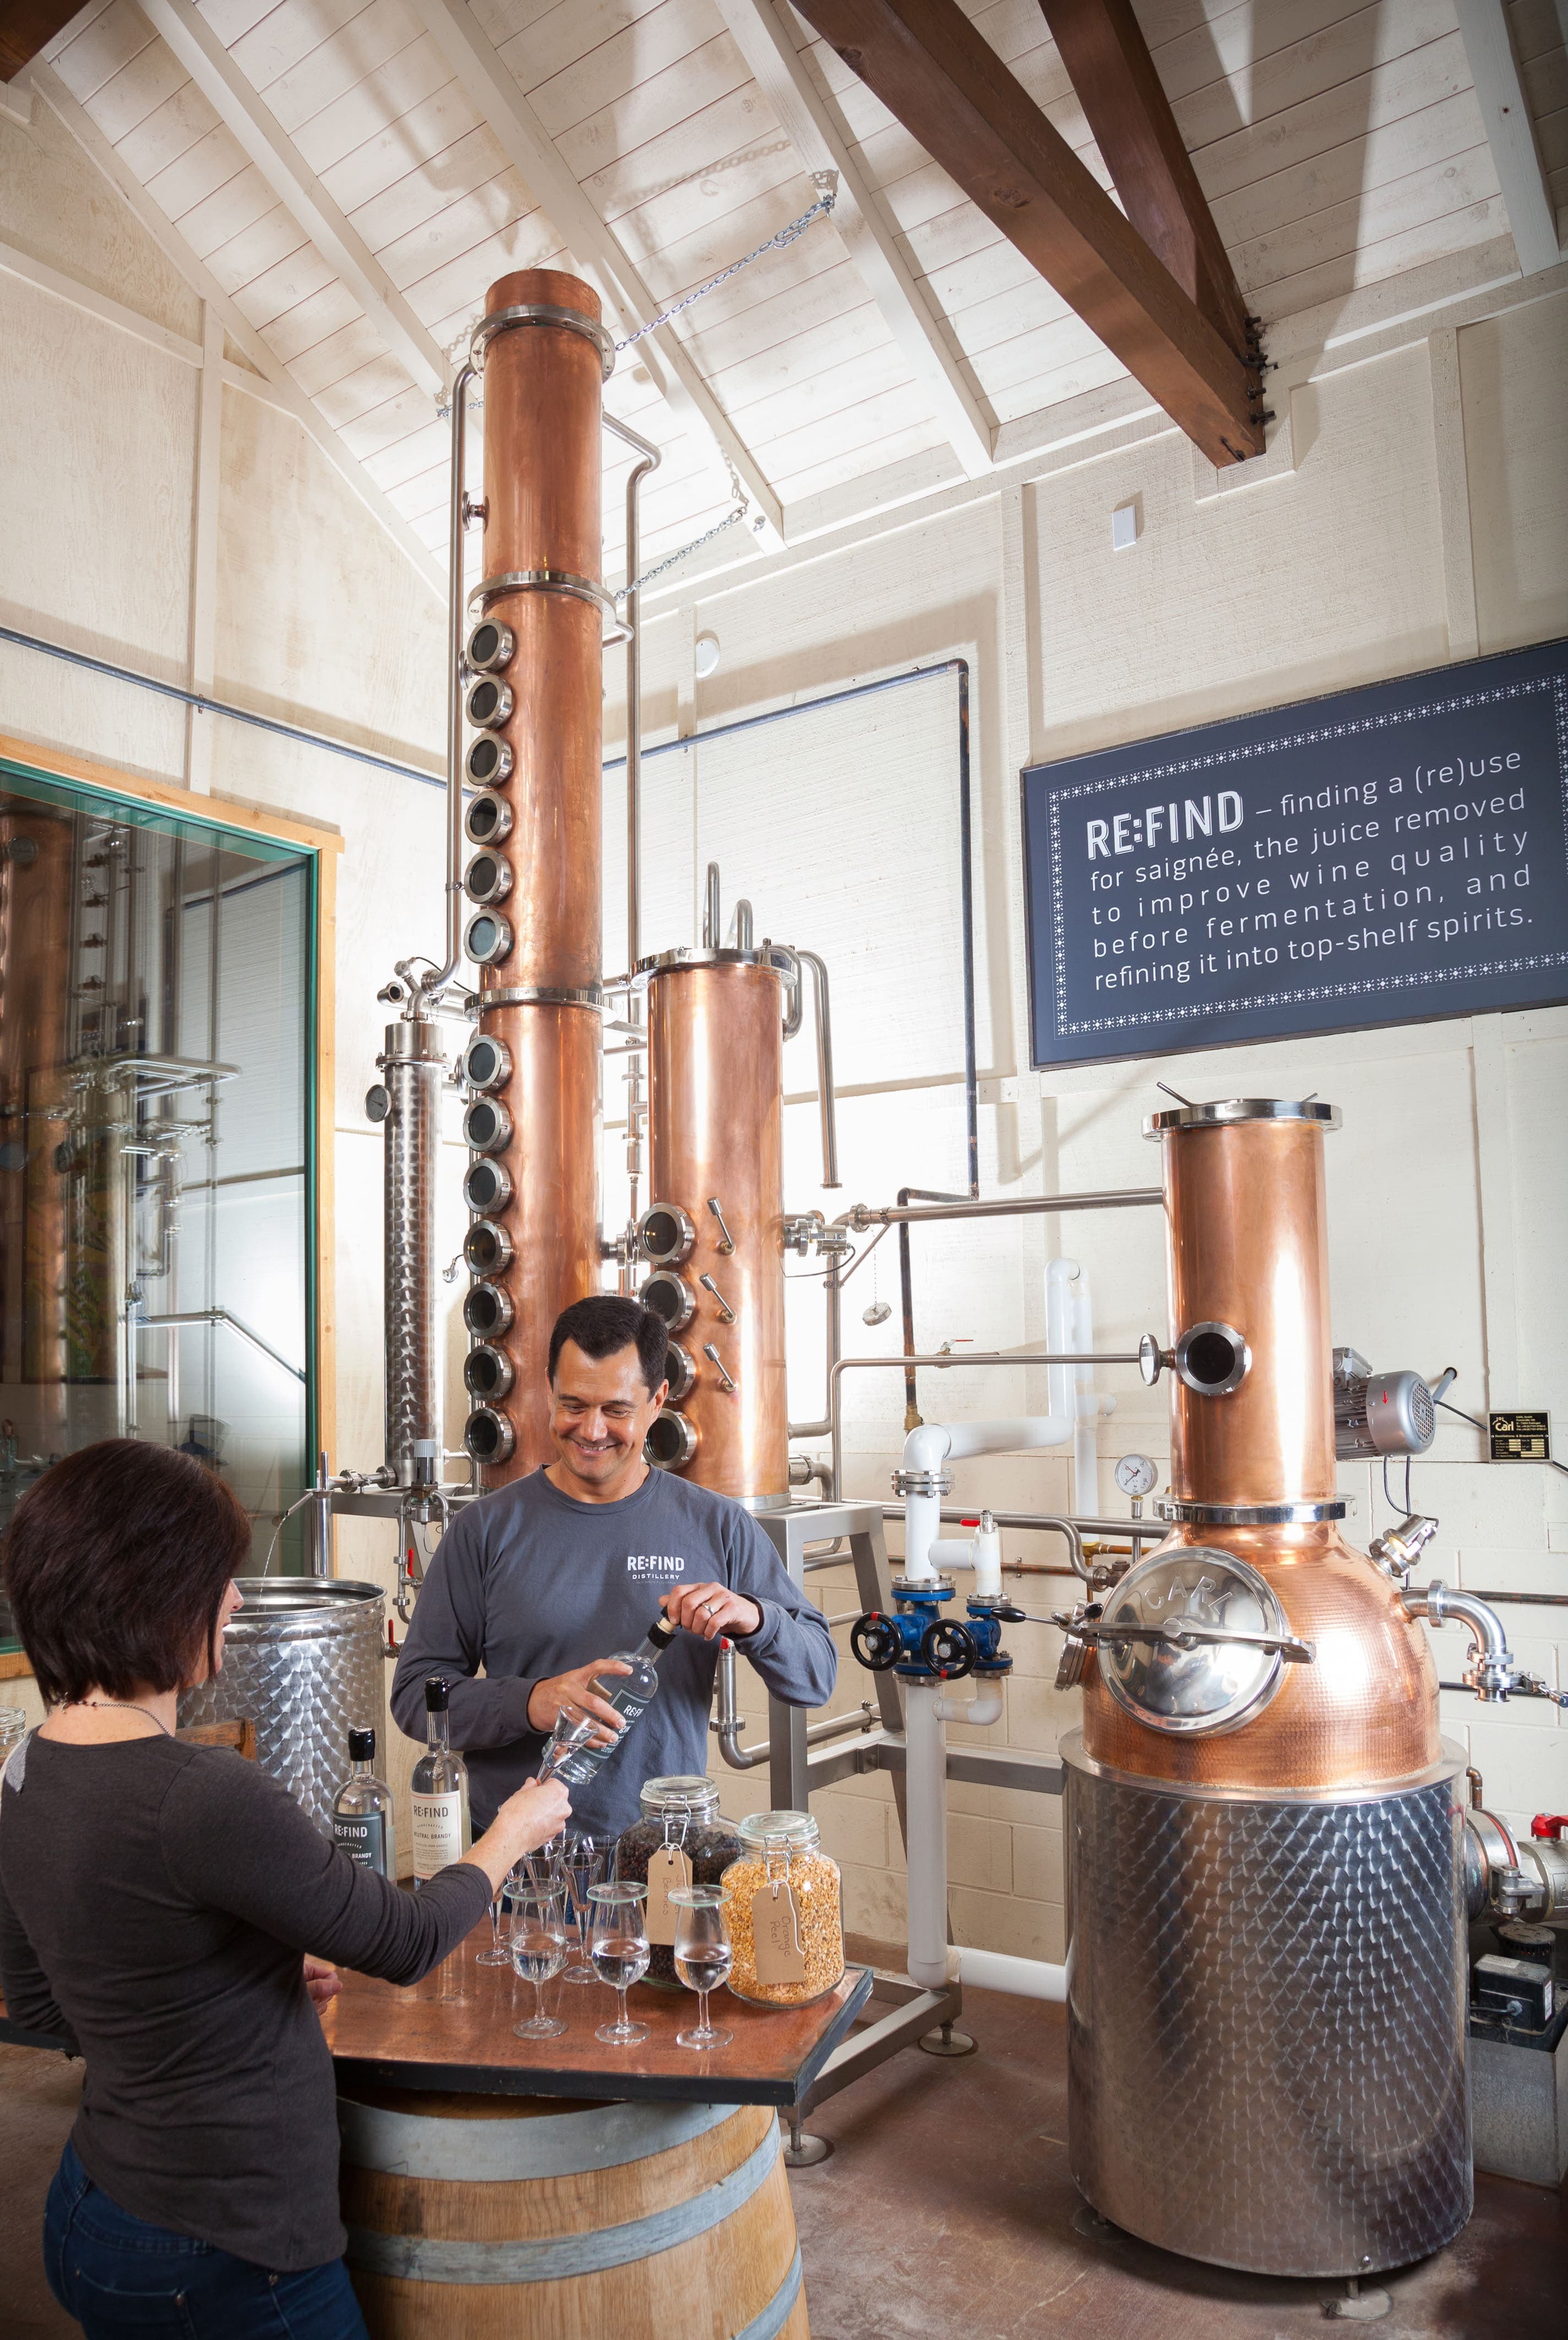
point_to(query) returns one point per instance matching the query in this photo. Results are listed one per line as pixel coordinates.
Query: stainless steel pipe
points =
(862, 1215)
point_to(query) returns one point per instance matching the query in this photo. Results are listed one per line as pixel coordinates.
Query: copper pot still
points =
(714, 1233)
(1267, 1994)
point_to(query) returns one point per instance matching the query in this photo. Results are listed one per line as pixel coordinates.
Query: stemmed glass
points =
(618, 1948)
(540, 1933)
(498, 1954)
(565, 1740)
(583, 1863)
(703, 1955)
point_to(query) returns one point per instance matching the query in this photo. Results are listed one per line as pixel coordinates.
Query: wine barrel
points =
(487, 2218)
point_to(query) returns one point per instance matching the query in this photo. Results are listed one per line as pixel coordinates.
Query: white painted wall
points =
(1410, 509)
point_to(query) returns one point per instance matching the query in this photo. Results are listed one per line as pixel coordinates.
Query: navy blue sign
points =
(1382, 857)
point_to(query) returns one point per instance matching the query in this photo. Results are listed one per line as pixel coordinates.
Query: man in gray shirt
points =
(541, 1583)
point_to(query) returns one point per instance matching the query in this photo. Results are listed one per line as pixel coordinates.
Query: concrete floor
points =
(946, 2213)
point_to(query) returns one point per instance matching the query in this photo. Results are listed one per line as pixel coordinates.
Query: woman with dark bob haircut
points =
(169, 1912)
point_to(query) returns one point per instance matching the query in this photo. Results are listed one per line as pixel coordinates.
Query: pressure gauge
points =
(1136, 1475)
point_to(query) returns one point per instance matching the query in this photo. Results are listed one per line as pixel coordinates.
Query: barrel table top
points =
(454, 2030)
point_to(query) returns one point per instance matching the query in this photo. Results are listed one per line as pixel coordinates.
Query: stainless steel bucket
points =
(1266, 2017)
(301, 1660)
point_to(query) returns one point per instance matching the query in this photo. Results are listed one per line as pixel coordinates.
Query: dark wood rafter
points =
(941, 79)
(1102, 45)
(28, 25)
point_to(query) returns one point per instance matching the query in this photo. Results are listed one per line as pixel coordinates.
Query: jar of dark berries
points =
(681, 1838)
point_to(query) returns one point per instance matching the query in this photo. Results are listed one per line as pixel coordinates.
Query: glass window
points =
(157, 1059)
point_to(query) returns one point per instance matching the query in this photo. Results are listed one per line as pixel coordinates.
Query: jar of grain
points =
(681, 1838)
(784, 1912)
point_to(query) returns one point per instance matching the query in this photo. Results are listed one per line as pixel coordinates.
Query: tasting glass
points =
(618, 1948)
(567, 1736)
(541, 1930)
(703, 1955)
(585, 1863)
(498, 1954)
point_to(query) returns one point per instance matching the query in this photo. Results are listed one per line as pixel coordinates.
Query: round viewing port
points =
(490, 646)
(486, 1126)
(1212, 1359)
(487, 1246)
(671, 1297)
(487, 1373)
(680, 1372)
(670, 1443)
(487, 1062)
(488, 1436)
(487, 937)
(487, 877)
(486, 1311)
(488, 761)
(487, 820)
(666, 1233)
(487, 1186)
(489, 702)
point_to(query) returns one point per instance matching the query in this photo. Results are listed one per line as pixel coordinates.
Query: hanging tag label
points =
(669, 1868)
(776, 1931)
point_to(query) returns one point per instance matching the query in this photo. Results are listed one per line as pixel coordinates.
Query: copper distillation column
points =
(1266, 1979)
(534, 700)
(716, 1230)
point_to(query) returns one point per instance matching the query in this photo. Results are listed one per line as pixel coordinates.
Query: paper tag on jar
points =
(668, 1868)
(776, 1932)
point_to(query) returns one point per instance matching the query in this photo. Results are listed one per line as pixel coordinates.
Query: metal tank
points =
(714, 1232)
(302, 1660)
(1266, 1975)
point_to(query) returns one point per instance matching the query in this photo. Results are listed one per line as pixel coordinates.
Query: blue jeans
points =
(123, 2279)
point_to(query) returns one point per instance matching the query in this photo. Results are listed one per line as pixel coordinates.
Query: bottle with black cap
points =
(362, 1821)
(440, 1784)
(629, 1694)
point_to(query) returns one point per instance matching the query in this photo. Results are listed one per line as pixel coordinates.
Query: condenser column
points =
(536, 699)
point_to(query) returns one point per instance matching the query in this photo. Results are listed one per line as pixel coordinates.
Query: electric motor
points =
(1379, 1414)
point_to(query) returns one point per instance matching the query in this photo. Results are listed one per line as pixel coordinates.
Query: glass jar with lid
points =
(786, 1918)
(681, 1838)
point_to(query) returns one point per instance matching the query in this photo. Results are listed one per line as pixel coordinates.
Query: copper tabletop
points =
(454, 2030)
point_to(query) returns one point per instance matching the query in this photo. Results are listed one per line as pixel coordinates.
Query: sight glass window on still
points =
(157, 1050)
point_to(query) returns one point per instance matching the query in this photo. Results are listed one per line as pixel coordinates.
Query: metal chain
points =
(827, 182)
(729, 521)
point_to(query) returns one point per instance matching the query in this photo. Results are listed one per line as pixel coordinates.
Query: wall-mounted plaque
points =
(1384, 856)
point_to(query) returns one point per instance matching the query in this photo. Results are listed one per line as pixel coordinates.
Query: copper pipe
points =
(542, 386)
(716, 1119)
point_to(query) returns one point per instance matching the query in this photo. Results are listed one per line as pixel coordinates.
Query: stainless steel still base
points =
(1266, 2019)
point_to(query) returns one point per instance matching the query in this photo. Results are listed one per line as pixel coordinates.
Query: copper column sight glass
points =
(543, 375)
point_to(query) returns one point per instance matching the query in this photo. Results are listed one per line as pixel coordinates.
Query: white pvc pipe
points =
(1025, 1977)
(932, 1443)
(982, 1709)
(926, 1783)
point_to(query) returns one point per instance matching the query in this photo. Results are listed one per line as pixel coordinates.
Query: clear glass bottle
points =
(629, 1694)
(362, 1821)
(441, 1821)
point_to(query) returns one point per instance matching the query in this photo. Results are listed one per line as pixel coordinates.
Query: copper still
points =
(534, 700)
(714, 1232)
(1267, 1975)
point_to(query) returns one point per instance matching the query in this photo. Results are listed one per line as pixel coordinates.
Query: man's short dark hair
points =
(117, 1562)
(607, 1321)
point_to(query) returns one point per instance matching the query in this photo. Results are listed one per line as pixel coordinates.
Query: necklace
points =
(123, 1706)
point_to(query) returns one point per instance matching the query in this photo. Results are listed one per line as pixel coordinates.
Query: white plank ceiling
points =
(1338, 144)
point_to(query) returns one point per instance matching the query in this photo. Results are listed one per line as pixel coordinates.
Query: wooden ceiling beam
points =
(1102, 45)
(27, 27)
(940, 78)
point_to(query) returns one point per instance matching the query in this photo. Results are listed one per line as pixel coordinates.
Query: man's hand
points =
(572, 1691)
(323, 1980)
(711, 1610)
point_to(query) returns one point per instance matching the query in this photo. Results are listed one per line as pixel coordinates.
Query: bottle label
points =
(363, 1836)
(775, 1933)
(437, 1832)
(669, 1868)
